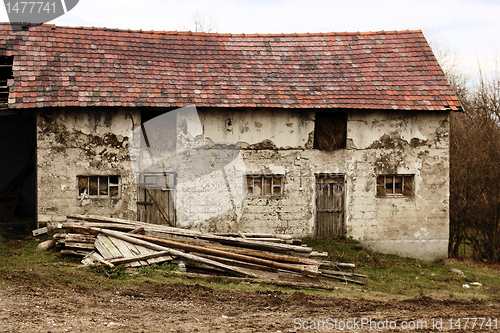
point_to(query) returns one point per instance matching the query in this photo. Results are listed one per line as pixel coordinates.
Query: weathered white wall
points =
(78, 142)
(384, 142)
(400, 143)
(75, 142)
(254, 128)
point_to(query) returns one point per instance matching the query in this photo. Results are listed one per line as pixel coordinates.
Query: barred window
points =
(265, 185)
(393, 185)
(99, 186)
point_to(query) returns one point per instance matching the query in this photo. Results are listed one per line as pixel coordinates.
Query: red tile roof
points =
(62, 66)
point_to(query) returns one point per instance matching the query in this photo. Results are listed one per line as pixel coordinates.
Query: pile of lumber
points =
(277, 259)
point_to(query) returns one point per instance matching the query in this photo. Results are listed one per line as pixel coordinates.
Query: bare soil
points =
(179, 307)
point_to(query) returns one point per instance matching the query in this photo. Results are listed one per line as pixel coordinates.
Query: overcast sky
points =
(471, 28)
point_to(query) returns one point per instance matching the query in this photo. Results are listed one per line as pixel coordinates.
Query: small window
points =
(158, 180)
(393, 185)
(5, 76)
(265, 185)
(99, 186)
(330, 131)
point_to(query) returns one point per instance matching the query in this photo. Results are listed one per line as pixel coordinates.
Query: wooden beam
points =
(139, 230)
(254, 235)
(328, 272)
(172, 252)
(142, 257)
(240, 250)
(265, 281)
(196, 234)
(227, 254)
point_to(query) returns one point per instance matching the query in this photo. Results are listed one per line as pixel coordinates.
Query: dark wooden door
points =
(329, 205)
(155, 200)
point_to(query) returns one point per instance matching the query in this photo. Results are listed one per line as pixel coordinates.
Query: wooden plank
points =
(80, 238)
(139, 230)
(272, 240)
(255, 235)
(120, 226)
(40, 231)
(94, 256)
(230, 255)
(76, 245)
(124, 250)
(152, 255)
(196, 234)
(172, 252)
(88, 259)
(74, 252)
(339, 273)
(238, 263)
(264, 281)
(318, 254)
(241, 250)
(144, 250)
(246, 251)
(102, 249)
(327, 263)
(341, 278)
(138, 252)
(110, 249)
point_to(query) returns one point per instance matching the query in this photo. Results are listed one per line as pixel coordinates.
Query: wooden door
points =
(330, 205)
(155, 200)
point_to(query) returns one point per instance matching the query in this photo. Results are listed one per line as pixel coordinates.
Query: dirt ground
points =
(181, 307)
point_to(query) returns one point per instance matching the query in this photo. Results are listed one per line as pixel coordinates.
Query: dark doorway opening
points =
(18, 168)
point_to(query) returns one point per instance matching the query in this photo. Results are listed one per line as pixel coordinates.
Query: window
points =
(393, 185)
(330, 131)
(5, 75)
(158, 180)
(265, 185)
(99, 186)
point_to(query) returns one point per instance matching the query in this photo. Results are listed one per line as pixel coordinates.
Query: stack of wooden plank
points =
(265, 257)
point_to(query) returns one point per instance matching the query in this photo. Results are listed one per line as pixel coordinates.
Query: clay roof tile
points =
(381, 70)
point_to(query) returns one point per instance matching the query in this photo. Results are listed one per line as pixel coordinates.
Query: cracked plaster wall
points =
(382, 142)
(400, 143)
(79, 142)
(273, 142)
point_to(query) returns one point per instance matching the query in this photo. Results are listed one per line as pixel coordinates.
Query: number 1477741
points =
(30, 7)
(474, 323)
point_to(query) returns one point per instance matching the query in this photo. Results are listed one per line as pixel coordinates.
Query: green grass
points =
(388, 275)
(391, 275)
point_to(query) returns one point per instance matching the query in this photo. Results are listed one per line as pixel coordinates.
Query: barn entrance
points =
(156, 188)
(155, 202)
(330, 192)
(17, 169)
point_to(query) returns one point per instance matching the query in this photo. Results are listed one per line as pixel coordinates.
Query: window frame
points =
(110, 184)
(395, 193)
(170, 182)
(6, 74)
(272, 184)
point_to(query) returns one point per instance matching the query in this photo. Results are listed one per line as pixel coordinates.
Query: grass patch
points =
(391, 275)
(388, 275)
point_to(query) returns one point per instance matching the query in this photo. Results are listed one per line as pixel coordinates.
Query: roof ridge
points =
(218, 34)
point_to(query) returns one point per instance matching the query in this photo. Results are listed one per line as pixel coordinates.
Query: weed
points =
(116, 273)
